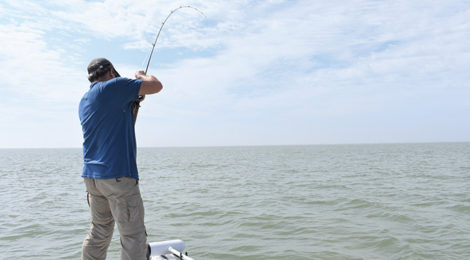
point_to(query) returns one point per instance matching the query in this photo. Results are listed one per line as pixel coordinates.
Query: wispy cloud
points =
(302, 71)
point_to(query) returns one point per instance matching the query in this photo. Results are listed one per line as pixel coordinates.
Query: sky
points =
(272, 72)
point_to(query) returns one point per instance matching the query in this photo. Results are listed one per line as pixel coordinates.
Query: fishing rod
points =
(136, 104)
(163, 24)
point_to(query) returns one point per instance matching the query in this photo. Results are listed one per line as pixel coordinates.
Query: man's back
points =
(105, 111)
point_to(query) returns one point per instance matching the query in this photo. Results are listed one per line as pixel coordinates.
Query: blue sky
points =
(249, 73)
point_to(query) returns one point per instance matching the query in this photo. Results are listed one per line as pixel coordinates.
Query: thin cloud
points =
(255, 66)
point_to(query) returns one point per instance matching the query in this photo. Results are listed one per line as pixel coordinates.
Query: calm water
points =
(395, 201)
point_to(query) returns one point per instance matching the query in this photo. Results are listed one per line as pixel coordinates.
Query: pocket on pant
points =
(131, 209)
(135, 208)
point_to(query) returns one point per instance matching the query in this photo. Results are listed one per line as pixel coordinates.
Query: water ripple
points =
(397, 201)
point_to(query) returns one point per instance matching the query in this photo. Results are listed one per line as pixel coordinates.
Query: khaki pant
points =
(115, 200)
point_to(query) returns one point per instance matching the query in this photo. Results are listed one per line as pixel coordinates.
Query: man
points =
(109, 153)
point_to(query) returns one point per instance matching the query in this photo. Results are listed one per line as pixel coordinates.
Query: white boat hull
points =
(168, 250)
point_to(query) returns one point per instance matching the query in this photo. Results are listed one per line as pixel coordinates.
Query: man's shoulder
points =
(122, 80)
(107, 86)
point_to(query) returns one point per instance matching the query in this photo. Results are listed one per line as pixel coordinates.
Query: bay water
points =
(374, 201)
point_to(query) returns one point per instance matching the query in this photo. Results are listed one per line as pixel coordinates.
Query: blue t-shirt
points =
(109, 146)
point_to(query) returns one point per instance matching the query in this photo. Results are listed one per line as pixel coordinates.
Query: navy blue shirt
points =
(109, 146)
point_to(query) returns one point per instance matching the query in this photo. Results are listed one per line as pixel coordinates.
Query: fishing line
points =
(161, 27)
(136, 104)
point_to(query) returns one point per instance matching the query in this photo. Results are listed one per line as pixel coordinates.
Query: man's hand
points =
(139, 74)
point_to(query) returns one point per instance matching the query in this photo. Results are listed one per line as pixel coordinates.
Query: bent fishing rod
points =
(136, 104)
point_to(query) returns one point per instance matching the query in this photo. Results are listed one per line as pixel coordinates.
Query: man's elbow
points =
(150, 87)
(158, 86)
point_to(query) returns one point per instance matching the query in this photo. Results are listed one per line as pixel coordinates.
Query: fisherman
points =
(109, 153)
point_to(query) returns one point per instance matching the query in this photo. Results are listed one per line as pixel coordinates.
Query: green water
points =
(393, 201)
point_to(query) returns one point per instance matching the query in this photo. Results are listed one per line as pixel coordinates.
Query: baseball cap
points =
(98, 67)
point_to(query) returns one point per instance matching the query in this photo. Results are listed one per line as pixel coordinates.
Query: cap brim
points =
(116, 74)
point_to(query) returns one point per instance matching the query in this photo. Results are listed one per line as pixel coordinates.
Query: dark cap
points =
(98, 67)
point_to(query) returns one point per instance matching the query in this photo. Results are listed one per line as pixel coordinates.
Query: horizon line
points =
(252, 145)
